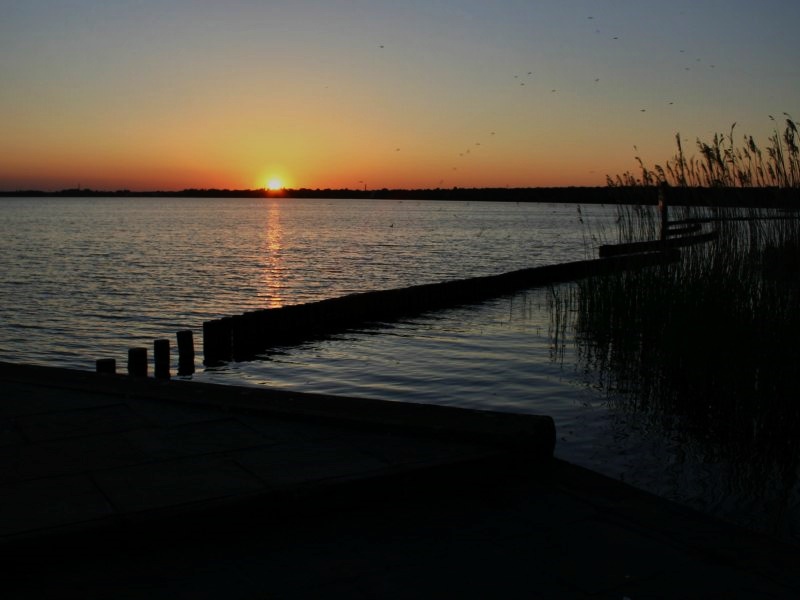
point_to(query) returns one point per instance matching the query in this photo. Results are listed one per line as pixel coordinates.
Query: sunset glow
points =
(398, 95)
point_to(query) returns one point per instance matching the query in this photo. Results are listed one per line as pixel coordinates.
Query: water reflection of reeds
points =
(711, 341)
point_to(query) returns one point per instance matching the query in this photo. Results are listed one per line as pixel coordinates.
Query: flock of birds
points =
(521, 79)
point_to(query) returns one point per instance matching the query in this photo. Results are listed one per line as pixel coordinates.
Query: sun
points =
(274, 184)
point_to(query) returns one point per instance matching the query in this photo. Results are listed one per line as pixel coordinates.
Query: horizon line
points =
(288, 190)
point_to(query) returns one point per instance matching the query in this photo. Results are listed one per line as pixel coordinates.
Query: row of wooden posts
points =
(673, 234)
(138, 363)
(242, 337)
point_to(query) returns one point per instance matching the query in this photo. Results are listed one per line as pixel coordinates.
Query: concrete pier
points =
(112, 486)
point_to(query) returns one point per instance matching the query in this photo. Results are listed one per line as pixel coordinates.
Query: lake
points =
(88, 278)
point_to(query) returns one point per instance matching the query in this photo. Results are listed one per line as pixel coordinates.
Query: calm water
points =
(88, 278)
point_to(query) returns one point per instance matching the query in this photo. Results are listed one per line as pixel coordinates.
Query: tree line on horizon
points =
(648, 194)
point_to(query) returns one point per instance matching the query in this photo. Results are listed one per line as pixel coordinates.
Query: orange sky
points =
(132, 95)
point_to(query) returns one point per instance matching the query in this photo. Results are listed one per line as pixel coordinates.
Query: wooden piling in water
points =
(243, 336)
(217, 341)
(637, 248)
(185, 352)
(137, 362)
(107, 366)
(161, 358)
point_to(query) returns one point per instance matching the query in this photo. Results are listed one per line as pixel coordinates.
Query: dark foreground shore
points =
(132, 488)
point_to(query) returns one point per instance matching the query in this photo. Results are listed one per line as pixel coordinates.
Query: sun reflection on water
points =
(274, 270)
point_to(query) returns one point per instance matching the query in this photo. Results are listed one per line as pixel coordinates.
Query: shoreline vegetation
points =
(704, 350)
(625, 191)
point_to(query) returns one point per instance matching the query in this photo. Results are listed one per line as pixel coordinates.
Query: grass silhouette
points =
(710, 341)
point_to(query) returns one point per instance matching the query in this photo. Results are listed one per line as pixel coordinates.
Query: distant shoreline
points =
(757, 197)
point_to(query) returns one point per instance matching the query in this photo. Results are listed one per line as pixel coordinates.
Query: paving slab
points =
(71, 455)
(175, 483)
(191, 439)
(215, 497)
(476, 537)
(143, 451)
(78, 422)
(40, 504)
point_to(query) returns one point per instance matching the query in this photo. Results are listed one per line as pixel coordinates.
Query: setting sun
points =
(274, 184)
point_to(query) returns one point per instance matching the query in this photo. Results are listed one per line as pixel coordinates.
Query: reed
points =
(711, 340)
(723, 163)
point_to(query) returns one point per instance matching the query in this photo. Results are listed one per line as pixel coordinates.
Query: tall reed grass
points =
(714, 339)
(723, 163)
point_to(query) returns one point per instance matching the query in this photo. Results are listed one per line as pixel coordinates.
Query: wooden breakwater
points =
(138, 361)
(242, 337)
(680, 241)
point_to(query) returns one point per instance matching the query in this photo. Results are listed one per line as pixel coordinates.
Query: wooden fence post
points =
(217, 341)
(137, 362)
(107, 366)
(185, 352)
(161, 358)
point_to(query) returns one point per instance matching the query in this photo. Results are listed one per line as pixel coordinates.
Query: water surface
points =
(85, 278)
(88, 278)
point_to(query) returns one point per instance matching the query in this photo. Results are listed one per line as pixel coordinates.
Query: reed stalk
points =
(712, 339)
(721, 163)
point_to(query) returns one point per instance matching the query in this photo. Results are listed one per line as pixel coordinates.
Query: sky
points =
(175, 94)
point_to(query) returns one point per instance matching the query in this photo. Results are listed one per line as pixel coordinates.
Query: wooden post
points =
(663, 208)
(161, 358)
(217, 341)
(185, 352)
(241, 337)
(137, 362)
(107, 366)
